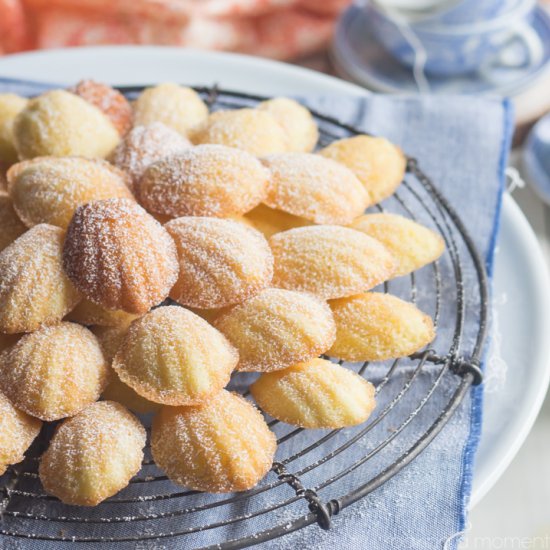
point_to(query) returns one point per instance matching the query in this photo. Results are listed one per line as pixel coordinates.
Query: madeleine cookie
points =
(316, 394)
(10, 106)
(120, 257)
(54, 372)
(277, 328)
(298, 124)
(251, 130)
(60, 124)
(93, 455)
(111, 340)
(11, 225)
(108, 100)
(270, 221)
(172, 356)
(50, 189)
(329, 261)
(315, 188)
(17, 432)
(207, 180)
(34, 289)
(221, 446)
(411, 244)
(144, 145)
(175, 106)
(379, 165)
(222, 262)
(375, 327)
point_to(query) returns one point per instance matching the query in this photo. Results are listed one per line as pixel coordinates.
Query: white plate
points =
(520, 271)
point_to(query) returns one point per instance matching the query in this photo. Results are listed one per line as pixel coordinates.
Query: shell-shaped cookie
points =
(145, 145)
(270, 221)
(93, 455)
(11, 225)
(315, 188)
(375, 327)
(315, 394)
(207, 180)
(34, 289)
(108, 100)
(177, 107)
(54, 372)
(50, 189)
(17, 432)
(254, 131)
(377, 162)
(411, 244)
(10, 106)
(277, 328)
(62, 124)
(329, 261)
(111, 339)
(222, 262)
(172, 356)
(88, 313)
(220, 447)
(119, 256)
(299, 126)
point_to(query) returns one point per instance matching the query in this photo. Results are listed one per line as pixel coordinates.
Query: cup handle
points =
(524, 34)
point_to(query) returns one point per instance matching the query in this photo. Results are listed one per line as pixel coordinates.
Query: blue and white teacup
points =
(505, 41)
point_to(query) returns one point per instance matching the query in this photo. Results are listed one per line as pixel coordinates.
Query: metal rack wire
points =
(312, 479)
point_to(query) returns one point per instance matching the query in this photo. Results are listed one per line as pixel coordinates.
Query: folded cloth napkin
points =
(462, 143)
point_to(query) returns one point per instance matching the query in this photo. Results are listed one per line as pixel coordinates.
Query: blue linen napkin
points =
(463, 144)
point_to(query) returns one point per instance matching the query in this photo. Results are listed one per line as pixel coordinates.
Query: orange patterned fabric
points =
(273, 28)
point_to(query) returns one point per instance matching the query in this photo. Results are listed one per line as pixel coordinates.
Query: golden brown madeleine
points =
(17, 432)
(315, 394)
(50, 189)
(10, 106)
(207, 180)
(34, 289)
(411, 244)
(270, 221)
(221, 446)
(175, 106)
(174, 357)
(329, 261)
(299, 126)
(377, 162)
(108, 100)
(11, 225)
(277, 328)
(222, 262)
(119, 256)
(314, 188)
(88, 313)
(54, 372)
(251, 130)
(111, 339)
(144, 145)
(62, 124)
(375, 327)
(93, 455)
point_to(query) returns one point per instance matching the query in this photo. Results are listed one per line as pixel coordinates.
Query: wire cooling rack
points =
(317, 473)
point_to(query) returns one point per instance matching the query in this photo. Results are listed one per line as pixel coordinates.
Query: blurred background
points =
(391, 46)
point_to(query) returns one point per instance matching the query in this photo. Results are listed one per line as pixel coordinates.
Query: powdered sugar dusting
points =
(222, 262)
(119, 256)
(207, 180)
(314, 188)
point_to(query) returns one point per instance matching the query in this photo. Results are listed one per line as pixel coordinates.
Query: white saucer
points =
(520, 270)
(358, 55)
